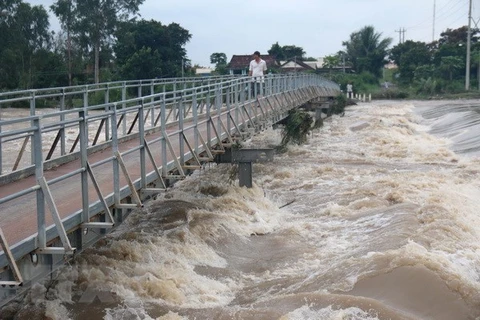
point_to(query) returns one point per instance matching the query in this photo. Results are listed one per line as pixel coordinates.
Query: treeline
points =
(422, 69)
(99, 41)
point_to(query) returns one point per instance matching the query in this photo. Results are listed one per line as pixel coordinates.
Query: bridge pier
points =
(244, 158)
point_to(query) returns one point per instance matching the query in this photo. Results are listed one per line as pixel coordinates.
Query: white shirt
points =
(257, 69)
(349, 87)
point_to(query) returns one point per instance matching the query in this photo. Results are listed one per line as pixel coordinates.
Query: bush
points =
(339, 104)
(393, 93)
(298, 124)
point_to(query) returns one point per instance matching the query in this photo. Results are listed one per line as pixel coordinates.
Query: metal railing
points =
(155, 132)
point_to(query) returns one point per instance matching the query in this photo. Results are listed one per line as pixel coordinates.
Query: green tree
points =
(148, 49)
(367, 51)
(218, 58)
(24, 34)
(409, 56)
(220, 61)
(96, 21)
(424, 72)
(286, 52)
(277, 51)
(292, 51)
(450, 64)
(64, 10)
(331, 62)
(476, 61)
(456, 36)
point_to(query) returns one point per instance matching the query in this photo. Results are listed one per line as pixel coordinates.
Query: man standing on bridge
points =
(256, 70)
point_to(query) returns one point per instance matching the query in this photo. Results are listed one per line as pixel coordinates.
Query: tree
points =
(277, 51)
(218, 58)
(148, 49)
(424, 72)
(456, 36)
(64, 10)
(24, 33)
(220, 61)
(476, 60)
(451, 64)
(331, 62)
(408, 56)
(367, 51)
(292, 52)
(286, 52)
(96, 21)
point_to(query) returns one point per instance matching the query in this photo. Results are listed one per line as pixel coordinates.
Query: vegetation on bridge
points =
(296, 127)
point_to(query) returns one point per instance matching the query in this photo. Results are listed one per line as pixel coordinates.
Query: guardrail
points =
(162, 134)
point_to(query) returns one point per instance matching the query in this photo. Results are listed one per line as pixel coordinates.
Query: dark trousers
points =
(257, 88)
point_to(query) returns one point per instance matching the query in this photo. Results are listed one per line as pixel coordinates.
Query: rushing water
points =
(380, 220)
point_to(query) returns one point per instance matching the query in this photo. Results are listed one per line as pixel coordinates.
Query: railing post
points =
(195, 121)
(124, 105)
(238, 88)
(152, 107)
(228, 102)
(107, 108)
(85, 109)
(83, 125)
(116, 168)
(242, 100)
(219, 104)
(62, 130)
(32, 113)
(141, 132)
(175, 90)
(38, 161)
(163, 126)
(181, 115)
(207, 112)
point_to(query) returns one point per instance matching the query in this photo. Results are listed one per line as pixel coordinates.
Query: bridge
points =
(71, 172)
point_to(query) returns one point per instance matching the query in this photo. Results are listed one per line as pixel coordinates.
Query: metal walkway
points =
(69, 174)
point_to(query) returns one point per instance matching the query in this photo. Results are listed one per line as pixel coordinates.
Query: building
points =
(201, 72)
(297, 66)
(239, 63)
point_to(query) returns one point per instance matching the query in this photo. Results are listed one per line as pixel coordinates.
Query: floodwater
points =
(376, 217)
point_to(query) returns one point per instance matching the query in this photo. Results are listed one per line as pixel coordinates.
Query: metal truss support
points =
(205, 146)
(175, 158)
(67, 247)
(155, 166)
(11, 263)
(111, 221)
(135, 195)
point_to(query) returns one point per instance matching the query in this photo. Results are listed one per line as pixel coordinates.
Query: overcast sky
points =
(318, 26)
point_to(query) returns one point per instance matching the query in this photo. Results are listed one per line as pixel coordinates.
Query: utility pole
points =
(434, 10)
(401, 35)
(469, 36)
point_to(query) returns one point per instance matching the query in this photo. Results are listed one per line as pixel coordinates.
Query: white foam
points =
(307, 313)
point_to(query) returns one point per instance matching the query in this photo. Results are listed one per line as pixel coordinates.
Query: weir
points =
(72, 173)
